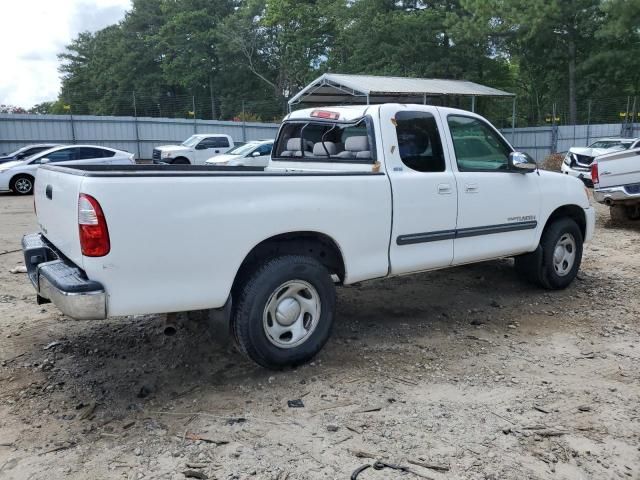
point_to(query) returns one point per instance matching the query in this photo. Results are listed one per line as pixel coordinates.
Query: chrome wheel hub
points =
(564, 254)
(291, 314)
(23, 185)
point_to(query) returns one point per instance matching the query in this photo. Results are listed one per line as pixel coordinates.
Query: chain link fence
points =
(539, 128)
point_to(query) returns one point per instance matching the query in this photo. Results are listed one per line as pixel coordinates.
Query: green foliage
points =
(226, 52)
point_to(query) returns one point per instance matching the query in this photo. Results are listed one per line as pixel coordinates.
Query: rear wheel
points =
(181, 161)
(284, 311)
(22, 184)
(557, 260)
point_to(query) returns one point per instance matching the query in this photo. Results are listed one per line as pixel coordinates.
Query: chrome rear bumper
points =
(610, 195)
(56, 279)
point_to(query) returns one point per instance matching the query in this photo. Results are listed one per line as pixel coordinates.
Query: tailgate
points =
(619, 168)
(56, 200)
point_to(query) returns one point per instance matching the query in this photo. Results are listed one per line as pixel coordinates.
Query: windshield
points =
(317, 141)
(619, 144)
(192, 141)
(242, 149)
(13, 154)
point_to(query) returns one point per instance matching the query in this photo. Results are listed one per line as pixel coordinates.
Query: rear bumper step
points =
(58, 280)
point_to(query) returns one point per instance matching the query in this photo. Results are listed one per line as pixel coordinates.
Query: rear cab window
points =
(326, 141)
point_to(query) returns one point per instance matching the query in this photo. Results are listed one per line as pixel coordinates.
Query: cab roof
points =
(353, 112)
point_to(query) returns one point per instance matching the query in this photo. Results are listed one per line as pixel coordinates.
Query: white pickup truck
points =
(351, 194)
(616, 181)
(195, 150)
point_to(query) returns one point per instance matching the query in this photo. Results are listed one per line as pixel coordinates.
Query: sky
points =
(33, 32)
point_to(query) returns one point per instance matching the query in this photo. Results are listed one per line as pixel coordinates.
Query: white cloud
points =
(33, 32)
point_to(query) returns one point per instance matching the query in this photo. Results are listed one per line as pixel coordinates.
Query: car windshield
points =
(242, 149)
(191, 141)
(618, 144)
(13, 154)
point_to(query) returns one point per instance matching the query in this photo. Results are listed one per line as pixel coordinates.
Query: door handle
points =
(471, 188)
(444, 189)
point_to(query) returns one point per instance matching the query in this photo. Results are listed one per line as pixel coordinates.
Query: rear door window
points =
(87, 153)
(419, 141)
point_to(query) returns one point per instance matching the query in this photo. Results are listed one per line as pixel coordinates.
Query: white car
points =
(195, 150)
(577, 162)
(350, 194)
(251, 154)
(24, 152)
(18, 176)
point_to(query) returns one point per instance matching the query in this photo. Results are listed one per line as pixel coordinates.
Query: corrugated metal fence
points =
(539, 142)
(140, 135)
(136, 135)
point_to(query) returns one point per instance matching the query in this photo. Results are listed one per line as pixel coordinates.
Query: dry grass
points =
(553, 162)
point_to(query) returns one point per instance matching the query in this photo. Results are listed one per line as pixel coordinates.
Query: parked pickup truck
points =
(351, 194)
(194, 150)
(616, 179)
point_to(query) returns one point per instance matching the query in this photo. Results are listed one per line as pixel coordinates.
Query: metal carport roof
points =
(334, 88)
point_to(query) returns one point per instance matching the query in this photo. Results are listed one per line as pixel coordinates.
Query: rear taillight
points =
(94, 235)
(594, 173)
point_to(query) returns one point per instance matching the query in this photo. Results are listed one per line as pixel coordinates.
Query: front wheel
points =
(557, 260)
(22, 185)
(284, 311)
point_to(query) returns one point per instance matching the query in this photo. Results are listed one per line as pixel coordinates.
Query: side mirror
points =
(255, 154)
(522, 162)
(202, 146)
(44, 160)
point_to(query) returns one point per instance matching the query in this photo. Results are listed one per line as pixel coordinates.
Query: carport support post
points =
(244, 124)
(135, 116)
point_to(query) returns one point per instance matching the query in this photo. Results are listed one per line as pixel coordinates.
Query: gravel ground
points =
(465, 373)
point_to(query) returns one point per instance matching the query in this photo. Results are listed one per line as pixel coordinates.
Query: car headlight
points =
(166, 154)
(567, 159)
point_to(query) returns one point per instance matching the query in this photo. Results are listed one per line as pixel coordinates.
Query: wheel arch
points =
(310, 243)
(22, 174)
(575, 212)
(181, 157)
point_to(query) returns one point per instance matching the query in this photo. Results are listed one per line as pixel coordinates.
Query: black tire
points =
(181, 161)
(539, 267)
(264, 283)
(624, 213)
(618, 214)
(22, 185)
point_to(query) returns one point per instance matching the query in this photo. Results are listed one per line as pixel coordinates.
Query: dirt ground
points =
(467, 371)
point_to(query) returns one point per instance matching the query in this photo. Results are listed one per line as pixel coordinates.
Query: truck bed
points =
(156, 170)
(200, 222)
